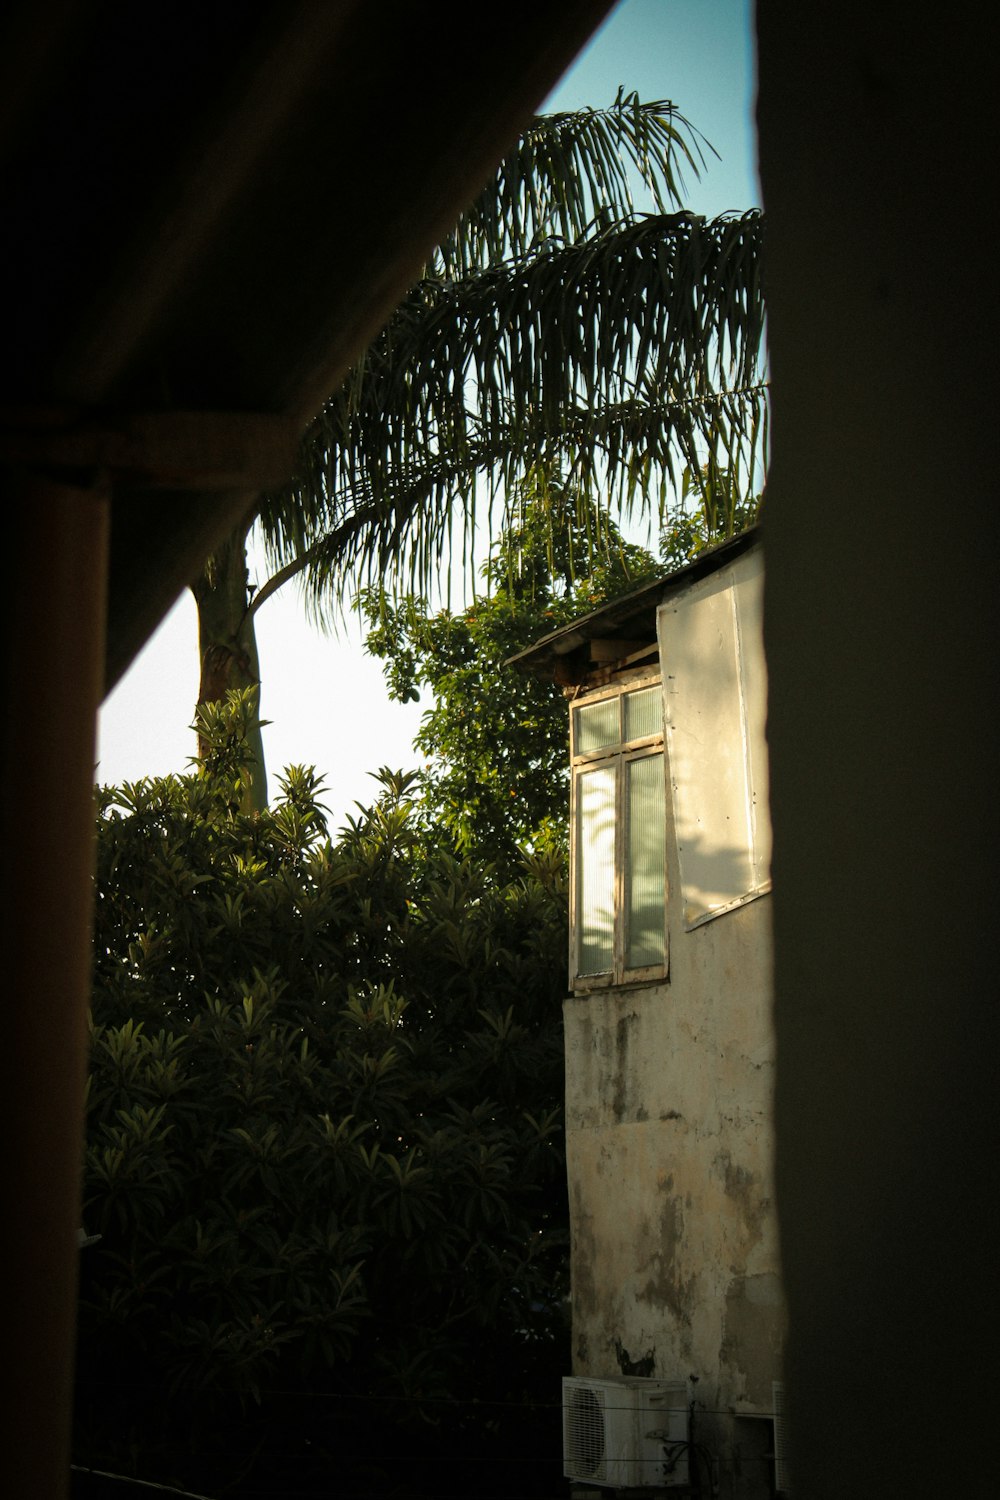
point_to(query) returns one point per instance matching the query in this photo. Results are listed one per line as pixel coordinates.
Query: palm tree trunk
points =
(227, 645)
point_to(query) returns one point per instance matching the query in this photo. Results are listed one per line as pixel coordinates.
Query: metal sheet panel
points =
(748, 583)
(715, 692)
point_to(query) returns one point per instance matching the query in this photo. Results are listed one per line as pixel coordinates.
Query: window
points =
(618, 926)
(715, 703)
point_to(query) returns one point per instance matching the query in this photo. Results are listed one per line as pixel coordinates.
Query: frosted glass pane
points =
(595, 870)
(596, 725)
(643, 713)
(644, 869)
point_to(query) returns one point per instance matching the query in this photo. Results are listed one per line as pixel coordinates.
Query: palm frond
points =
(554, 330)
(571, 171)
(623, 359)
(628, 458)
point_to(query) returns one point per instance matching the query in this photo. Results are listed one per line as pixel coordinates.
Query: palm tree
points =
(554, 330)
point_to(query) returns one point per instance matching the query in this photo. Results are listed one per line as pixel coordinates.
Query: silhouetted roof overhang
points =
(209, 211)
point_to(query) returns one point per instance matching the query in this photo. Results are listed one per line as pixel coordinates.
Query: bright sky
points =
(325, 697)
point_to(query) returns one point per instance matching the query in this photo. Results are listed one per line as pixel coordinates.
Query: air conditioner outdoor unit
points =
(625, 1431)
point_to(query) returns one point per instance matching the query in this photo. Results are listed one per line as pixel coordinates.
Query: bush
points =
(324, 1149)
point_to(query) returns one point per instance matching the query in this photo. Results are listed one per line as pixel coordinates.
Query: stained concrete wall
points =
(675, 1266)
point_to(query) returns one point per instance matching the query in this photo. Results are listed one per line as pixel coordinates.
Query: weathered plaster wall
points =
(669, 1146)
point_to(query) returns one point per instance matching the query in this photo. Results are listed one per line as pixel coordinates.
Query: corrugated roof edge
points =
(605, 621)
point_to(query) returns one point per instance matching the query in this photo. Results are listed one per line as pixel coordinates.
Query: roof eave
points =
(542, 657)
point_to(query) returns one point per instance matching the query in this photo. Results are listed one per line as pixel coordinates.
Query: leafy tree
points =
(497, 738)
(324, 1150)
(712, 507)
(554, 328)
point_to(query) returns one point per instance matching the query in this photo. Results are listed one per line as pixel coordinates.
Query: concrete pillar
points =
(53, 663)
(876, 124)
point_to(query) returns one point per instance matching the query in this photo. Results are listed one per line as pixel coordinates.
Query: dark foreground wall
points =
(878, 148)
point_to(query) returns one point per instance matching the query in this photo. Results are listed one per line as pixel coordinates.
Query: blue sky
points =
(697, 53)
(324, 696)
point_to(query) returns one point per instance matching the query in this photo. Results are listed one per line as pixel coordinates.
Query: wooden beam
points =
(607, 648)
(173, 450)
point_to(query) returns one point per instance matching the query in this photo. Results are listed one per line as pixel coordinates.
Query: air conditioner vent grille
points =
(782, 1476)
(584, 1431)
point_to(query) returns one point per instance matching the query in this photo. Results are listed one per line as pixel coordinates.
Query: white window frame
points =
(619, 755)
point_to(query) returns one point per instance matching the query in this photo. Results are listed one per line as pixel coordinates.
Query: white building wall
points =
(675, 1268)
(669, 1147)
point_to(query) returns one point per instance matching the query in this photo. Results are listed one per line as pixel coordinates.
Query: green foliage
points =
(324, 1143)
(712, 507)
(496, 738)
